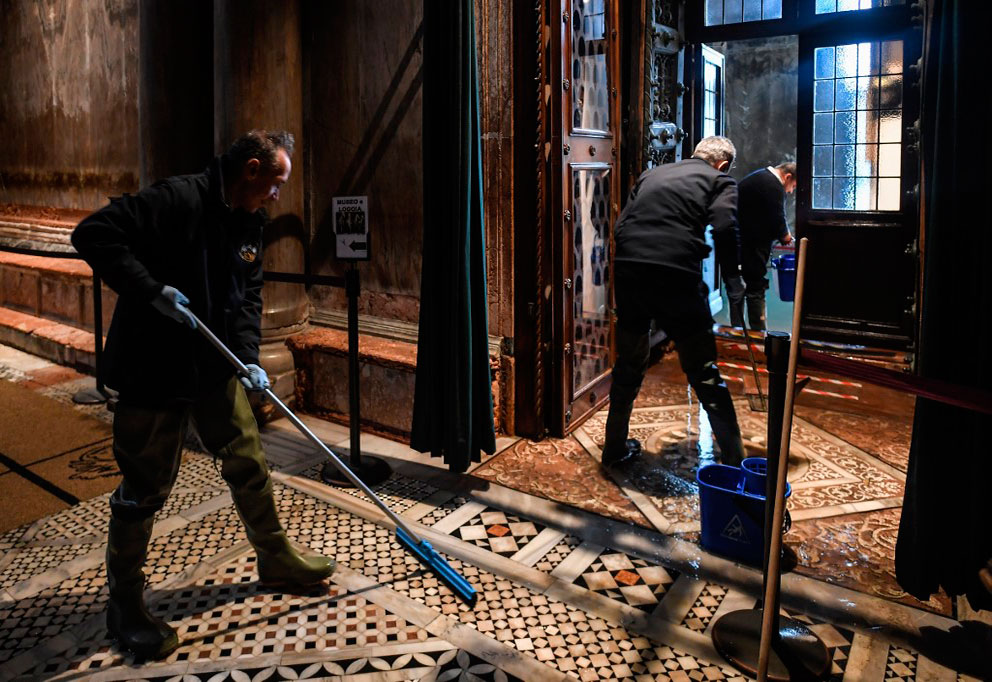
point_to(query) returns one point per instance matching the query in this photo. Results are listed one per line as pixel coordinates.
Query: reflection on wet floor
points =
(844, 469)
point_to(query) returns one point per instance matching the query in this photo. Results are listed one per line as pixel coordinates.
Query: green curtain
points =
(945, 535)
(453, 404)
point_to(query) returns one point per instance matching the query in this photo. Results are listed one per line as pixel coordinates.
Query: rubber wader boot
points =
(128, 620)
(278, 561)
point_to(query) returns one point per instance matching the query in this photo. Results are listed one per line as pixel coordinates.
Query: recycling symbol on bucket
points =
(734, 530)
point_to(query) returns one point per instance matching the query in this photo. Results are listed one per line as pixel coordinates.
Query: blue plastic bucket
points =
(786, 267)
(755, 474)
(732, 520)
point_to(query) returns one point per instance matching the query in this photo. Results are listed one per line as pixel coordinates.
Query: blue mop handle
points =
(243, 371)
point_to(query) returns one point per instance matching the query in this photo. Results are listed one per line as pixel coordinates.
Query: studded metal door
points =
(587, 204)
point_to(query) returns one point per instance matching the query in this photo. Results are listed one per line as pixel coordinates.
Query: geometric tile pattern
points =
(229, 617)
(557, 554)
(462, 665)
(227, 622)
(701, 613)
(178, 502)
(443, 510)
(84, 520)
(29, 621)
(557, 634)
(498, 532)
(838, 641)
(426, 666)
(188, 546)
(199, 472)
(31, 561)
(901, 665)
(629, 580)
(398, 492)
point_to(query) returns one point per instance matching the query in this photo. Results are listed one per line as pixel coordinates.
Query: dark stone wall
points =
(762, 78)
(363, 103)
(68, 101)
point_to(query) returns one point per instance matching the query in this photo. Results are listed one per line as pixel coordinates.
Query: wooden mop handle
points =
(775, 548)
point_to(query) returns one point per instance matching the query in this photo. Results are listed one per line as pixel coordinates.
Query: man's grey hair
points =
(788, 168)
(714, 149)
(262, 145)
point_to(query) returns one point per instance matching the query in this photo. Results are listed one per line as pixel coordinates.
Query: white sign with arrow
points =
(351, 227)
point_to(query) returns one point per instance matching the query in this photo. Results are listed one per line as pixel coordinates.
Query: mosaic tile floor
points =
(552, 604)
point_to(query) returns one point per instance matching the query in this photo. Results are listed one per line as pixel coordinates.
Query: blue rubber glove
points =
(172, 303)
(257, 380)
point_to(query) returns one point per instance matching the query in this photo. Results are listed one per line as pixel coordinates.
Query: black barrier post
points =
(797, 653)
(777, 356)
(371, 470)
(89, 396)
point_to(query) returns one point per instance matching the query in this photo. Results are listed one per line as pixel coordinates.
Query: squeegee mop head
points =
(434, 563)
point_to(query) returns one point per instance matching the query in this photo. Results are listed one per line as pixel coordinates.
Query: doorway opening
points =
(750, 94)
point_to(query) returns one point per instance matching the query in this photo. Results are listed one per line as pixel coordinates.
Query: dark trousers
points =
(148, 446)
(751, 292)
(678, 302)
(750, 287)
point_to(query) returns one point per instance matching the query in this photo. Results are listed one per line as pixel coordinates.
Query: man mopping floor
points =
(201, 236)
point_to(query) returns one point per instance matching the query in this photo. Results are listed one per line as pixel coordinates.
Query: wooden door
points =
(857, 195)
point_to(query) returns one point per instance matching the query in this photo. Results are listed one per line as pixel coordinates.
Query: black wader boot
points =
(628, 372)
(697, 355)
(128, 620)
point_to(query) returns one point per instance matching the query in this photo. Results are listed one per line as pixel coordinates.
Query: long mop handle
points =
(775, 549)
(243, 371)
(754, 366)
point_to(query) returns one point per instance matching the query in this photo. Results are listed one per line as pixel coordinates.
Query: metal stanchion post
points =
(796, 653)
(371, 470)
(100, 394)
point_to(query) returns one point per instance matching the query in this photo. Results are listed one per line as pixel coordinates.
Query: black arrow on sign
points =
(358, 246)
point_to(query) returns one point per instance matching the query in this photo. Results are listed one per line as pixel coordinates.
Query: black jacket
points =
(665, 219)
(761, 214)
(178, 232)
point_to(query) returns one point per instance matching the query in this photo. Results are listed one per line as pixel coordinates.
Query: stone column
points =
(175, 90)
(258, 83)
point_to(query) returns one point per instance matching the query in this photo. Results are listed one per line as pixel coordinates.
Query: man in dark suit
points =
(761, 217)
(660, 246)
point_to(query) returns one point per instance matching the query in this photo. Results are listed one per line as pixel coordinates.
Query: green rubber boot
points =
(279, 564)
(128, 619)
